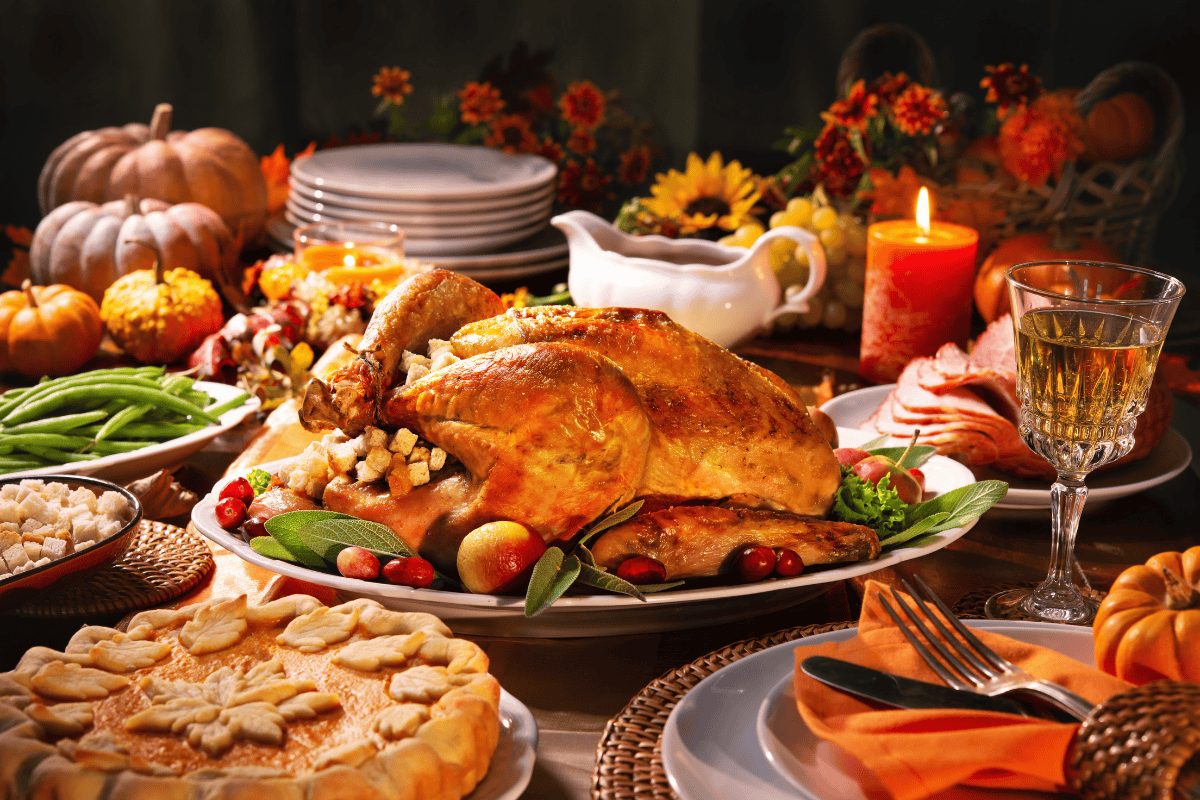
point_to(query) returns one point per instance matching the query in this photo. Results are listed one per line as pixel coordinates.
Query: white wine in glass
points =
(1088, 338)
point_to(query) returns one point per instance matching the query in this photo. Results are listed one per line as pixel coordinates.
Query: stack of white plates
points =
(462, 207)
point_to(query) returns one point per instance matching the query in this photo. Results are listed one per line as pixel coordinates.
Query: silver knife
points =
(898, 691)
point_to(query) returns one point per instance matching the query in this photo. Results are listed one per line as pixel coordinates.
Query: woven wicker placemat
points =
(163, 561)
(629, 756)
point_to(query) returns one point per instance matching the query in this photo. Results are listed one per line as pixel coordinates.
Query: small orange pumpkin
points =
(1148, 627)
(47, 330)
(991, 292)
(1118, 128)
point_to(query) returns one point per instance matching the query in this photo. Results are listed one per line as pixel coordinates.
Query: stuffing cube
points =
(33, 484)
(378, 459)
(112, 504)
(33, 506)
(56, 493)
(23, 491)
(84, 529)
(82, 498)
(334, 437)
(342, 457)
(419, 473)
(408, 360)
(419, 454)
(9, 512)
(374, 437)
(399, 481)
(8, 539)
(403, 441)
(15, 556)
(366, 473)
(8, 491)
(54, 548)
(437, 459)
(107, 527)
(33, 549)
(415, 374)
(443, 360)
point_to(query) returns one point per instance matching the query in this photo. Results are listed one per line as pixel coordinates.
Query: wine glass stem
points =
(1067, 497)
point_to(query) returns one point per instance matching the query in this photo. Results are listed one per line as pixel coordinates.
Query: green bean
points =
(146, 430)
(78, 381)
(55, 424)
(110, 446)
(134, 394)
(232, 403)
(120, 419)
(12, 398)
(56, 456)
(7, 466)
(24, 441)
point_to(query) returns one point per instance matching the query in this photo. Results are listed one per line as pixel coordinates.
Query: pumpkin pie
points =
(290, 699)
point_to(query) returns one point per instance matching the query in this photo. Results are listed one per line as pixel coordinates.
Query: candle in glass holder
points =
(351, 252)
(918, 292)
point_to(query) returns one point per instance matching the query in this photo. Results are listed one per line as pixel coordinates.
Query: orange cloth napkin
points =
(917, 753)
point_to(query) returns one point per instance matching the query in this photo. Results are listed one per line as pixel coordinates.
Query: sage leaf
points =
(594, 576)
(285, 529)
(917, 455)
(922, 527)
(651, 588)
(964, 504)
(616, 518)
(328, 537)
(271, 548)
(874, 443)
(552, 575)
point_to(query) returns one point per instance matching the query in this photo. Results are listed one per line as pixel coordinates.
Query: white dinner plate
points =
(427, 211)
(430, 225)
(450, 246)
(512, 763)
(598, 614)
(738, 733)
(1170, 457)
(424, 171)
(124, 467)
(442, 231)
(512, 273)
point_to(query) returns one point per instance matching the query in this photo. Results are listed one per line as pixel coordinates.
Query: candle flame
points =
(923, 211)
(348, 260)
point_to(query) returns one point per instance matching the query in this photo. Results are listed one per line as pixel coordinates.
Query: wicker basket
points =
(1119, 203)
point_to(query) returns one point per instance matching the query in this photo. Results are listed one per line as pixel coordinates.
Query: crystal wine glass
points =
(1088, 337)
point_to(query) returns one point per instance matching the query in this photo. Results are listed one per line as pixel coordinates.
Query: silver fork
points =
(975, 668)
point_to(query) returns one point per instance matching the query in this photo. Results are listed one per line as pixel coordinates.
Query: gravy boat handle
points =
(796, 302)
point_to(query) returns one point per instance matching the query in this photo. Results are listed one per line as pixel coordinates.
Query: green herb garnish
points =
(259, 480)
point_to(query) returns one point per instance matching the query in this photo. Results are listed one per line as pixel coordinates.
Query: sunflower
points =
(392, 84)
(705, 195)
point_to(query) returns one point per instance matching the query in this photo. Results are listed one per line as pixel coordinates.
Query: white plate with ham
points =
(1170, 457)
(598, 614)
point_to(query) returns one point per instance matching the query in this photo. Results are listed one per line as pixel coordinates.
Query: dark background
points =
(713, 74)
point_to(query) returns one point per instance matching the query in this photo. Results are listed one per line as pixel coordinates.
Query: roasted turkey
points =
(557, 415)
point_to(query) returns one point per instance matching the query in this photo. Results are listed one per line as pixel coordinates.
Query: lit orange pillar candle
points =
(918, 291)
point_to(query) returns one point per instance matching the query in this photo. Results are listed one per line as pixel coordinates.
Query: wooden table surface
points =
(574, 686)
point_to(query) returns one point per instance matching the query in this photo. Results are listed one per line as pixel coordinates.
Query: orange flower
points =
(18, 266)
(917, 109)
(855, 110)
(635, 164)
(1037, 139)
(392, 84)
(896, 196)
(583, 186)
(840, 166)
(541, 97)
(1007, 86)
(582, 105)
(550, 150)
(479, 102)
(888, 86)
(511, 133)
(581, 142)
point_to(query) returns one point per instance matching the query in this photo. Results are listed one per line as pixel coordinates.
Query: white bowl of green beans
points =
(118, 424)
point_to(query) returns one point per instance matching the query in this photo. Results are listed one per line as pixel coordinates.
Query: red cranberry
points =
(231, 512)
(414, 572)
(755, 562)
(239, 488)
(788, 564)
(642, 570)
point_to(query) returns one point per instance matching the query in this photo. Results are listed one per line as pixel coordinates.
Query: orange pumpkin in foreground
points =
(1148, 627)
(991, 292)
(47, 330)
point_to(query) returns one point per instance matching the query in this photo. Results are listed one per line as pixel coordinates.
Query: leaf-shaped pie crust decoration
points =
(315, 631)
(400, 722)
(215, 627)
(58, 680)
(125, 654)
(62, 719)
(230, 706)
(371, 655)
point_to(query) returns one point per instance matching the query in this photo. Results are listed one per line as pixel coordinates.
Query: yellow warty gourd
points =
(159, 316)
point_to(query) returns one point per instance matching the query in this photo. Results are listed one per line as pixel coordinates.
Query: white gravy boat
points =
(723, 293)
